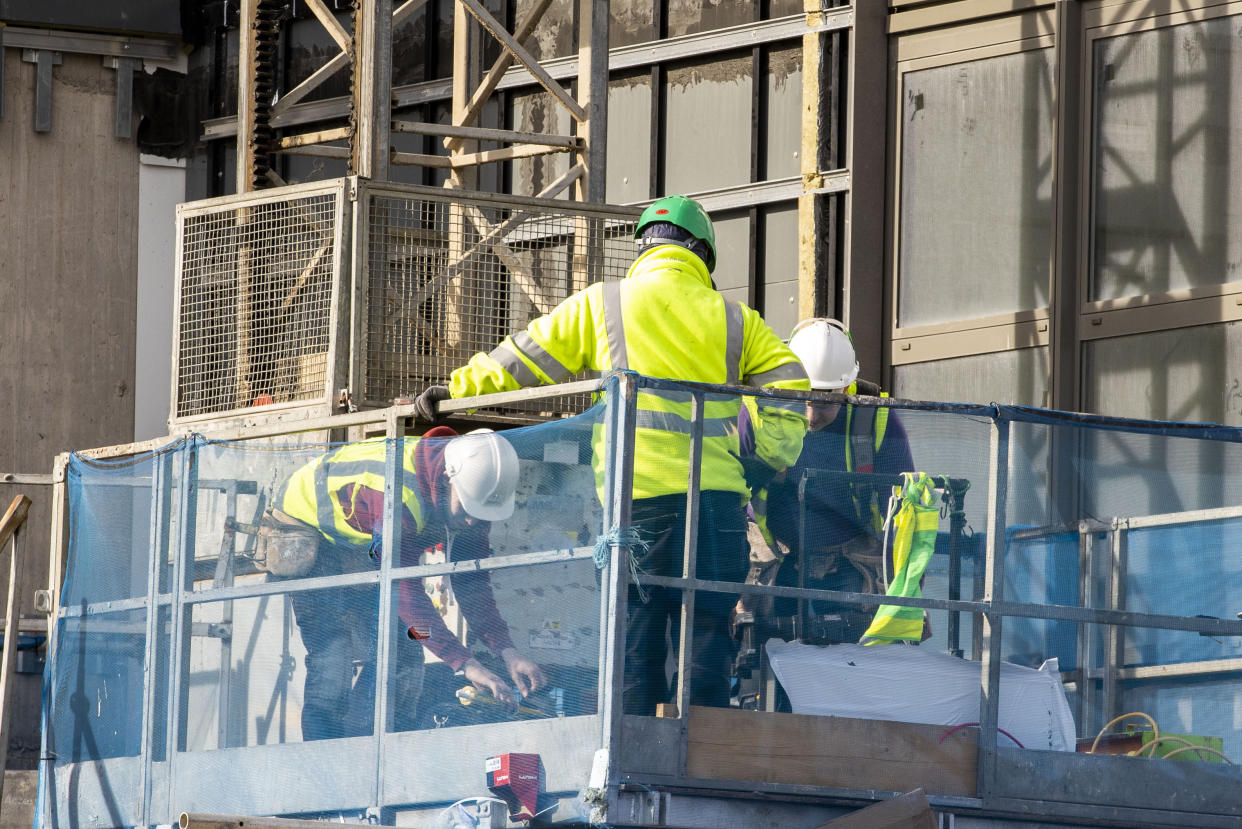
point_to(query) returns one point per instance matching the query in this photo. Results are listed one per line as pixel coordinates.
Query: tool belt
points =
(285, 547)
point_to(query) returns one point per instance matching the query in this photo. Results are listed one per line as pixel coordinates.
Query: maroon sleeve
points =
(424, 624)
(474, 591)
(364, 511)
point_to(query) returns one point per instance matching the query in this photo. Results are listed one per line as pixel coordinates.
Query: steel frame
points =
(367, 50)
(664, 783)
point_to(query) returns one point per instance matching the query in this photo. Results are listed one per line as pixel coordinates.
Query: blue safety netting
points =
(193, 667)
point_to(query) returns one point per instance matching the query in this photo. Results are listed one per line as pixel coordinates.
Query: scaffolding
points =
(163, 579)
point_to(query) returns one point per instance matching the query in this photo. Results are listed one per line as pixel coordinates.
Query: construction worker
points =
(666, 320)
(327, 520)
(843, 523)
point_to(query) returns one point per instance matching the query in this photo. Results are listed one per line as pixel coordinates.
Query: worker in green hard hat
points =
(666, 320)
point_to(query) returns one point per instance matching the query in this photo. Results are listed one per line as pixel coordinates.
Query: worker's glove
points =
(756, 472)
(427, 404)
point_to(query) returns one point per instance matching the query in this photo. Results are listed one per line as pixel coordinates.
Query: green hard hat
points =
(687, 214)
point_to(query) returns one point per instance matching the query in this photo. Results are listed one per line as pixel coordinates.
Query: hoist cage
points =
(291, 300)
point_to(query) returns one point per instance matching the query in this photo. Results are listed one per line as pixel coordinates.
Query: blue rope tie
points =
(627, 538)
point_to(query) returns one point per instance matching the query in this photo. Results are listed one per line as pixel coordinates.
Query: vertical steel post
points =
(993, 591)
(47, 763)
(372, 89)
(394, 484)
(247, 72)
(689, 562)
(593, 98)
(1114, 637)
(1086, 596)
(178, 663)
(621, 447)
(150, 659)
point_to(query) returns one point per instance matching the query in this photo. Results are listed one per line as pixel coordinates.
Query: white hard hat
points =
(826, 352)
(483, 468)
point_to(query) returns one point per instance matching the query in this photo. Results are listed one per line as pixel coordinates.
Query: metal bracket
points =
(125, 68)
(2, 25)
(44, 61)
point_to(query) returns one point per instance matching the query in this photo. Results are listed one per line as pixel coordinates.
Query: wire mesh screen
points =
(468, 638)
(451, 275)
(255, 301)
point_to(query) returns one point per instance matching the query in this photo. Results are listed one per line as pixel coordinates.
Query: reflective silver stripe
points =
(615, 325)
(713, 427)
(513, 364)
(554, 368)
(735, 325)
(789, 371)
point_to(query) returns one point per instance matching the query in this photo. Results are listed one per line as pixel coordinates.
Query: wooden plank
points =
(14, 517)
(907, 811)
(329, 22)
(487, 134)
(726, 744)
(10, 532)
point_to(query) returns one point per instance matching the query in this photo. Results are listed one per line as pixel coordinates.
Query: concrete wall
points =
(68, 259)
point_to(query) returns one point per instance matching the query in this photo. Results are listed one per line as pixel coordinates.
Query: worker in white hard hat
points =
(844, 521)
(327, 521)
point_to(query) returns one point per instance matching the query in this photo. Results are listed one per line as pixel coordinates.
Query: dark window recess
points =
(171, 106)
(159, 17)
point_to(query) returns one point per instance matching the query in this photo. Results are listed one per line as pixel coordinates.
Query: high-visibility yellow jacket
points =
(663, 320)
(310, 493)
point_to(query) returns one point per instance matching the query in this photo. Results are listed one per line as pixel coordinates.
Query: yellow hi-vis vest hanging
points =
(914, 541)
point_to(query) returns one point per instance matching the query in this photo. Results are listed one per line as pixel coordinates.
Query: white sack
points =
(912, 684)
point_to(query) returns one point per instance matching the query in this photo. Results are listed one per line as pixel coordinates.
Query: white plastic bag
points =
(911, 684)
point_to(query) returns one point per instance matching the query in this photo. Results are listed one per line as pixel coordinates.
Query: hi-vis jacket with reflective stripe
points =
(309, 493)
(663, 320)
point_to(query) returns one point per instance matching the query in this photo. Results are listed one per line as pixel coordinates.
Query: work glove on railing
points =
(427, 404)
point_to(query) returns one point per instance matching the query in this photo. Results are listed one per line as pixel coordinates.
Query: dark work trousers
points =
(722, 556)
(339, 631)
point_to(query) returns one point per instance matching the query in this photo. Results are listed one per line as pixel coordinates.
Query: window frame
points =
(968, 41)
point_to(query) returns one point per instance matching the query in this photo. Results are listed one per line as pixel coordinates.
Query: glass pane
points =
(1168, 201)
(539, 112)
(733, 245)
(629, 138)
(689, 16)
(707, 137)
(409, 49)
(555, 36)
(784, 139)
(1019, 377)
(1183, 374)
(976, 153)
(780, 268)
(631, 21)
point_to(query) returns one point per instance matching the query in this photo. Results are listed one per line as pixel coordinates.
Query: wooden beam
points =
(487, 134)
(840, 752)
(320, 150)
(474, 106)
(10, 527)
(526, 58)
(503, 154)
(329, 21)
(524, 280)
(442, 162)
(309, 138)
(14, 517)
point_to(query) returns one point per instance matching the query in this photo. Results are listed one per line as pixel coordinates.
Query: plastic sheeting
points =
(911, 684)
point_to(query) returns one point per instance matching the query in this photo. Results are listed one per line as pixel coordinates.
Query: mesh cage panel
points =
(450, 276)
(255, 304)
